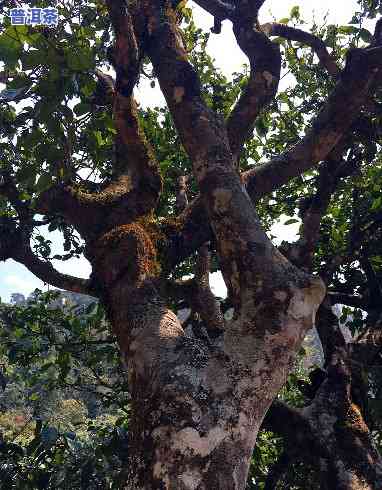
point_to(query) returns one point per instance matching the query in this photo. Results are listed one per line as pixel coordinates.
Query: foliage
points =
(69, 405)
(67, 430)
(61, 460)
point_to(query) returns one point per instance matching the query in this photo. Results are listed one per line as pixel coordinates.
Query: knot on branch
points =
(125, 253)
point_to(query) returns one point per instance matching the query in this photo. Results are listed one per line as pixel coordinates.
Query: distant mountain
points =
(65, 299)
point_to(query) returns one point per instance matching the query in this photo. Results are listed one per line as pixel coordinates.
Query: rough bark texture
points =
(198, 403)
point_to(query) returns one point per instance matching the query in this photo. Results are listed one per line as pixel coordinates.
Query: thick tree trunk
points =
(197, 405)
(196, 408)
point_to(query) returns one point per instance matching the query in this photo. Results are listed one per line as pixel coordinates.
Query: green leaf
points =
(82, 108)
(98, 137)
(18, 333)
(80, 60)
(88, 89)
(43, 182)
(365, 35)
(348, 30)
(295, 12)
(376, 204)
(291, 221)
(10, 49)
(261, 126)
(33, 58)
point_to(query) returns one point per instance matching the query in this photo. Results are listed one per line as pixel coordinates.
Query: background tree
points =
(64, 411)
(200, 390)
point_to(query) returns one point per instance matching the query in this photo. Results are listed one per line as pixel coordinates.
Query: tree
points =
(200, 394)
(64, 412)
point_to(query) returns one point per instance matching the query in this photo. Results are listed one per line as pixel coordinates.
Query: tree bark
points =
(196, 405)
(330, 434)
(338, 422)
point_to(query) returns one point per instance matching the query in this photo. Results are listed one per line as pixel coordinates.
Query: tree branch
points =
(185, 234)
(340, 398)
(342, 108)
(318, 46)
(300, 440)
(14, 244)
(207, 305)
(48, 274)
(329, 331)
(98, 212)
(265, 61)
(218, 8)
(252, 267)
(181, 194)
(9, 238)
(315, 434)
(204, 137)
(367, 349)
(134, 156)
(312, 209)
(311, 217)
(357, 82)
(373, 282)
(9, 189)
(201, 297)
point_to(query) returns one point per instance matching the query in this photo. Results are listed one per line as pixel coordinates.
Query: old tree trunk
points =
(199, 399)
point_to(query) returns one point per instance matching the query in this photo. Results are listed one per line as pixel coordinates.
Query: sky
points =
(15, 277)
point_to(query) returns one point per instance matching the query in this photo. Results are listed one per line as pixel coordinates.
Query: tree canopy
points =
(158, 197)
